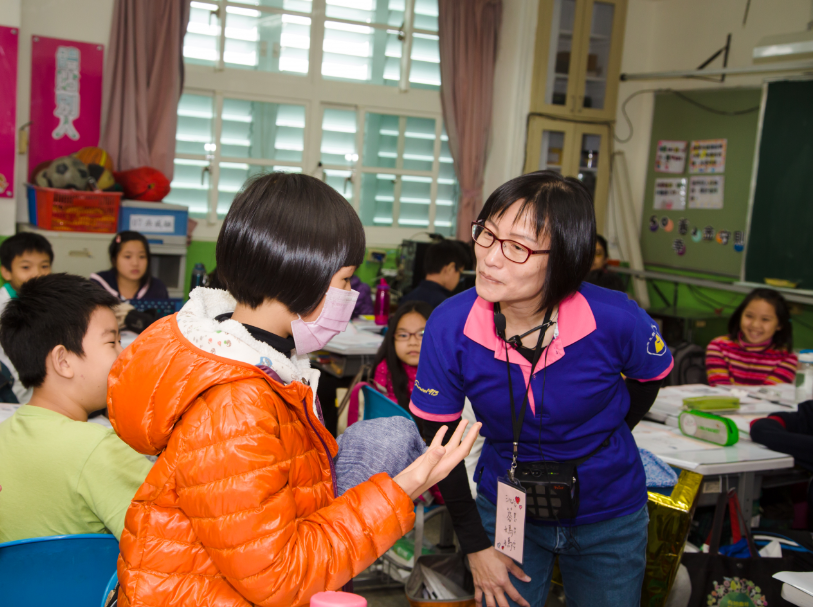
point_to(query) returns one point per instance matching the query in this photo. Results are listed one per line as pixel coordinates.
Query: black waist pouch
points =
(552, 489)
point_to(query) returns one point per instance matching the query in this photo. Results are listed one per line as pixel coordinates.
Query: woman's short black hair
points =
(388, 352)
(562, 209)
(116, 246)
(600, 239)
(782, 338)
(49, 311)
(284, 238)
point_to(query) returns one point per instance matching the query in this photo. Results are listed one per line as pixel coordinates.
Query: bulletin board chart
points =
(698, 183)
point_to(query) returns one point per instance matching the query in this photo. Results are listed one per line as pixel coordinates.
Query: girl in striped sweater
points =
(759, 345)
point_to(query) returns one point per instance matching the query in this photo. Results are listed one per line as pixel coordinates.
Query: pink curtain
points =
(143, 80)
(468, 43)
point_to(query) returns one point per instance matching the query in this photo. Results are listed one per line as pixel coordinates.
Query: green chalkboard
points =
(780, 237)
(687, 119)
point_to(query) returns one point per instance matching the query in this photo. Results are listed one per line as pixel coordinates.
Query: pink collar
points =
(575, 321)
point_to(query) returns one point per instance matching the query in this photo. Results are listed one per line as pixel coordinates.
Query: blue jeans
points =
(602, 564)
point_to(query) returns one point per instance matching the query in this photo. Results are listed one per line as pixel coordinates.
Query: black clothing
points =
(278, 343)
(427, 291)
(606, 279)
(641, 398)
(788, 432)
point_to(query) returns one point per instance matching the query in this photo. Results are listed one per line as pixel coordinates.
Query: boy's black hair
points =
(560, 208)
(782, 338)
(284, 238)
(19, 244)
(442, 253)
(49, 311)
(116, 246)
(387, 352)
(604, 245)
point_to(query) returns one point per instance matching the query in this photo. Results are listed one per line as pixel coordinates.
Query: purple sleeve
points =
(364, 306)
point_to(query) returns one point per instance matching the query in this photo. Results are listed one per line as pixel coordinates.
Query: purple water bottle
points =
(382, 303)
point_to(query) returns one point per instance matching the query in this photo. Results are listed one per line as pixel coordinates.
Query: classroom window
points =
(279, 101)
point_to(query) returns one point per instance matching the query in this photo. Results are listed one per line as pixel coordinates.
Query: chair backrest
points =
(689, 366)
(378, 406)
(65, 570)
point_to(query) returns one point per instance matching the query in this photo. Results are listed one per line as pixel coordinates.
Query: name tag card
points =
(511, 506)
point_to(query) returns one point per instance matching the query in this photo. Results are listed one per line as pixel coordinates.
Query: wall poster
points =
(8, 107)
(707, 156)
(670, 193)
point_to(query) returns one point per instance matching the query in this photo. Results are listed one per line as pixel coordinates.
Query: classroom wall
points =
(82, 20)
(680, 35)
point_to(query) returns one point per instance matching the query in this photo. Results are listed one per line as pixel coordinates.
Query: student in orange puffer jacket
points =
(241, 507)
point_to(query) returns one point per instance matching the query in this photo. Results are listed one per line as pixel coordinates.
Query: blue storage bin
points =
(161, 219)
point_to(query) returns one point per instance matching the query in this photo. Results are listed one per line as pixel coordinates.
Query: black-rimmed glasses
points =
(512, 250)
(403, 336)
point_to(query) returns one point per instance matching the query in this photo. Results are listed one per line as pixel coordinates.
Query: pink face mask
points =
(337, 309)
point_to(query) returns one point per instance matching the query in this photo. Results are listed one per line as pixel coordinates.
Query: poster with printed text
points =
(670, 193)
(66, 97)
(706, 192)
(671, 156)
(8, 108)
(707, 156)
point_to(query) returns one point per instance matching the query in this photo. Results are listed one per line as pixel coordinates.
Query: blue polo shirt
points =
(600, 335)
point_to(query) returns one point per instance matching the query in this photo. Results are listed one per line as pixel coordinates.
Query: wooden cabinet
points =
(575, 78)
(578, 55)
(579, 150)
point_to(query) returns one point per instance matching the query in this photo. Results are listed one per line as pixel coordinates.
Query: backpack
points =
(689, 365)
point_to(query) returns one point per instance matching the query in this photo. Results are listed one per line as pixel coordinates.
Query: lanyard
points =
(518, 419)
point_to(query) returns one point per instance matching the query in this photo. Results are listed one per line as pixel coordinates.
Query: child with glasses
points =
(395, 366)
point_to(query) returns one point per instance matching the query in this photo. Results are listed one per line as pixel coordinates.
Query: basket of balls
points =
(66, 196)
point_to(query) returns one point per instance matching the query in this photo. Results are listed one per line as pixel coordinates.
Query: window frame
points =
(316, 93)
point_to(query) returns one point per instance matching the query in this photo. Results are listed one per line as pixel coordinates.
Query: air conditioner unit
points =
(797, 46)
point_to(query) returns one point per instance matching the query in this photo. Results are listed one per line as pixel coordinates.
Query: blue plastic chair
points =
(63, 571)
(378, 406)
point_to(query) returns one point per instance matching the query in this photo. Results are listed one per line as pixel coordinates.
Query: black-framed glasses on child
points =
(512, 250)
(403, 336)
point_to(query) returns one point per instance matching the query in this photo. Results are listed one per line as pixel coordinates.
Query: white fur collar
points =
(231, 340)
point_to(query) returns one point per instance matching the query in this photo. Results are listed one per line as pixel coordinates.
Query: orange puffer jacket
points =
(239, 508)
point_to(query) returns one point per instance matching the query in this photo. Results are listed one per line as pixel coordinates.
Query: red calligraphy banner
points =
(66, 97)
(8, 107)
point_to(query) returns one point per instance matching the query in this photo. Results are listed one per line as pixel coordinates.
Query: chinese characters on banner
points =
(66, 98)
(671, 156)
(670, 193)
(707, 156)
(8, 108)
(706, 192)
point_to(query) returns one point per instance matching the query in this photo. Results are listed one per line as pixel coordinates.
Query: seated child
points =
(129, 276)
(22, 256)
(759, 345)
(599, 274)
(242, 505)
(395, 365)
(60, 474)
(444, 262)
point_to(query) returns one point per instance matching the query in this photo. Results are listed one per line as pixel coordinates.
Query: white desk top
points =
(703, 457)
(358, 339)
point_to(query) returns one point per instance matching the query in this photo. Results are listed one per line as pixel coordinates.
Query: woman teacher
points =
(558, 372)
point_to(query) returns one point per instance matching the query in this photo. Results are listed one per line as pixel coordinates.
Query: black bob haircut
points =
(560, 208)
(388, 352)
(116, 246)
(442, 253)
(49, 311)
(19, 244)
(284, 238)
(600, 239)
(782, 338)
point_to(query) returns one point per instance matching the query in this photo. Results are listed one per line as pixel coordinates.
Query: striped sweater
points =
(734, 362)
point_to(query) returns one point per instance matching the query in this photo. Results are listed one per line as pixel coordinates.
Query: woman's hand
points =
(438, 460)
(491, 577)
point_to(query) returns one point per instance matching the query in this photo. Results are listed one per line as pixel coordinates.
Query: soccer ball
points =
(65, 172)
